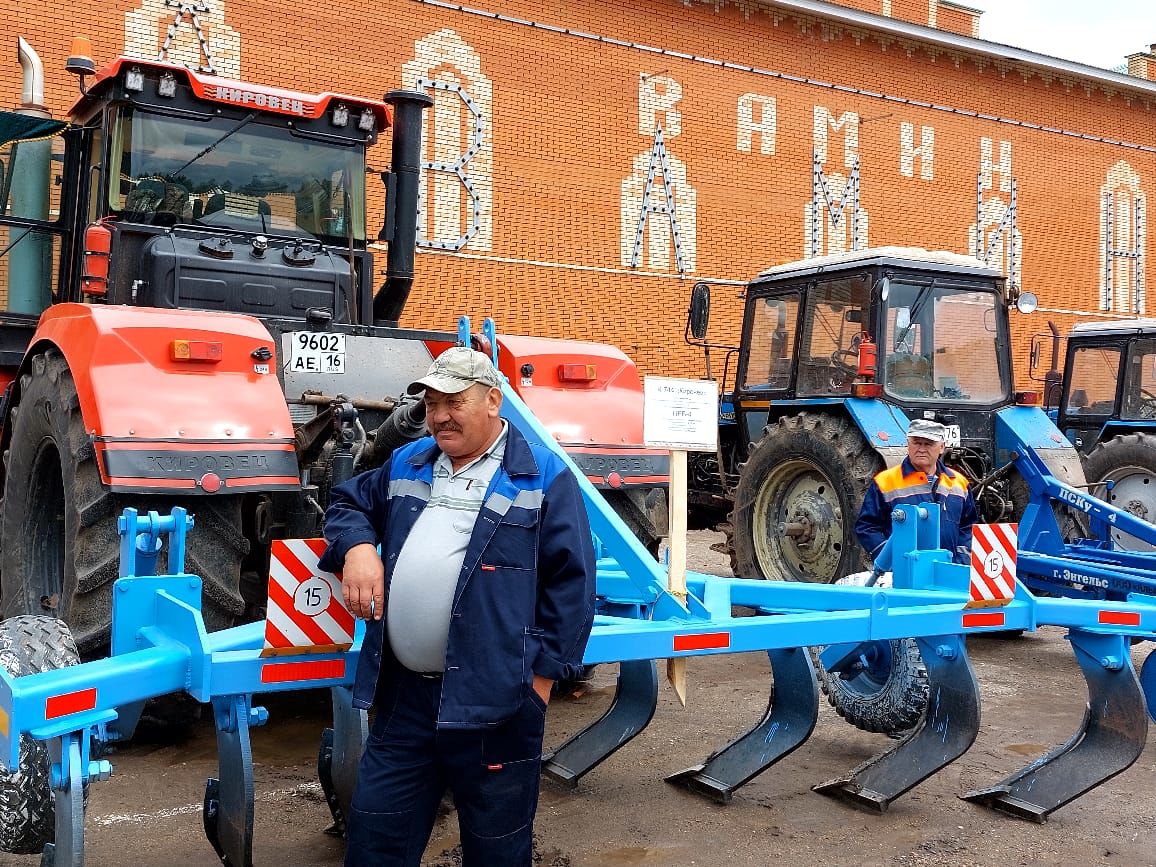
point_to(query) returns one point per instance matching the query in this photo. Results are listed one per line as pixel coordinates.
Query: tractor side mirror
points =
(698, 317)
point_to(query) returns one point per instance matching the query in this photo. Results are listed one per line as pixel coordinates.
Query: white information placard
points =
(680, 414)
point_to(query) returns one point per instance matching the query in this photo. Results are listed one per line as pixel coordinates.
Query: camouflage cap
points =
(457, 369)
(926, 429)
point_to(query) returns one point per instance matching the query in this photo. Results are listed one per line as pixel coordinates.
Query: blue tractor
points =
(836, 354)
(1105, 403)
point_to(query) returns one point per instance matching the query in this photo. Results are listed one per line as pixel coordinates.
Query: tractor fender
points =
(1028, 427)
(159, 424)
(598, 421)
(883, 426)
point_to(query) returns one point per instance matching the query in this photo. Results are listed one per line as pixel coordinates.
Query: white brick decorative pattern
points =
(195, 34)
(756, 117)
(1123, 208)
(457, 185)
(908, 151)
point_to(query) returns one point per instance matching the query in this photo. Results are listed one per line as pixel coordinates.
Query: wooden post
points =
(676, 577)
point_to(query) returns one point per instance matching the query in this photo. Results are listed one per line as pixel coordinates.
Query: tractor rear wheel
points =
(797, 499)
(30, 645)
(60, 548)
(1129, 462)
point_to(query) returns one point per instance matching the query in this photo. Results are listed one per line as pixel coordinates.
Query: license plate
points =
(952, 441)
(316, 352)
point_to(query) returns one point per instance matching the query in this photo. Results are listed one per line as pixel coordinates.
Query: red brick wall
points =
(562, 129)
(956, 20)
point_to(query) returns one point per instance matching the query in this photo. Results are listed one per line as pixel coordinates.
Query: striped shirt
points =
(425, 577)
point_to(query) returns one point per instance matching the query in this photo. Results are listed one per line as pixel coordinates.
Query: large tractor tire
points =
(30, 645)
(639, 520)
(798, 496)
(807, 477)
(1129, 462)
(60, 548)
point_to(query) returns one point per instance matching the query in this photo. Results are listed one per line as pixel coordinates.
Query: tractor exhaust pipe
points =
(27, 193)
(32, 93)
(401, 184)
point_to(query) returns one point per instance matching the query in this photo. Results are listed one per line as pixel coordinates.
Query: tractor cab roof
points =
(912, 258)
(1126, 327)
(110, 82)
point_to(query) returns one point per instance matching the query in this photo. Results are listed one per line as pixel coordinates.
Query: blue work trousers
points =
(408, 765)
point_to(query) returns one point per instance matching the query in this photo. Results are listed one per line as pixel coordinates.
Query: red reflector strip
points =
(983, 618)
(70, 702)
(1120, 618)
(702, 641)
(290, 672)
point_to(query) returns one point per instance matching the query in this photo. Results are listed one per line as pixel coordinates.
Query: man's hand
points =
(542, 686)
(363, 582)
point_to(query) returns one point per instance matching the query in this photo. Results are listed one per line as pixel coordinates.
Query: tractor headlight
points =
(368, 121)
(167, 86)
(134, 79)
(340, 115)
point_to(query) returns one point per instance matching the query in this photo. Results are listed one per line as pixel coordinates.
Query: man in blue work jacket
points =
(921, 478)
(482, 597)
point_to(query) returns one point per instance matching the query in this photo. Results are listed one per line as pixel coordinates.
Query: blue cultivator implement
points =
(160, 646)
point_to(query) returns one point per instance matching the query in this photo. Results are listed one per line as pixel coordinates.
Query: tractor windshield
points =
(238, 175)
(942, 343)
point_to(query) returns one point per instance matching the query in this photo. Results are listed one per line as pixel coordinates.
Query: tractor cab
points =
(925, 332)
(1109, 381)
(182, 190)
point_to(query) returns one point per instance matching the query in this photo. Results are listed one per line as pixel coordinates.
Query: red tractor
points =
(191, 317)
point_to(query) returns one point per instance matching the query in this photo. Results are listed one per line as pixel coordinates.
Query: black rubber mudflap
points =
(1109, 740)
(790, 718)
(944, 733)
(630, 712)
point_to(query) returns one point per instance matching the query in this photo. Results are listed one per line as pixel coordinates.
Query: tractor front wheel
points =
(60, 550)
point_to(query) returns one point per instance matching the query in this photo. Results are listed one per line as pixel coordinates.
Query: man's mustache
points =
(447, 426)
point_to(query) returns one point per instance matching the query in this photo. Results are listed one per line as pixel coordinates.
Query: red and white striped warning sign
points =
(306, 611)
(993, 565)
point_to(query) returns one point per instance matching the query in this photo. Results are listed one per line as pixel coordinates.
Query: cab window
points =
(772, 342)
(1095, 373)
(833, 325)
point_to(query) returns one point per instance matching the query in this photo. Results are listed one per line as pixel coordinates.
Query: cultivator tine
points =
(945, 732)
(67, 850)
(789, 720)
(228, 810)
(341, 749)
(631, 710)
(1109, 740)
